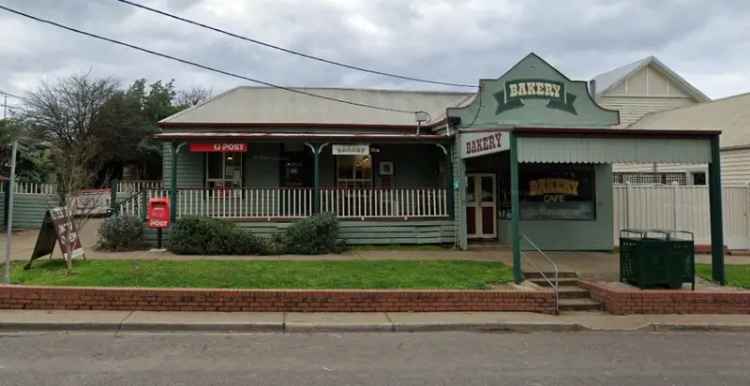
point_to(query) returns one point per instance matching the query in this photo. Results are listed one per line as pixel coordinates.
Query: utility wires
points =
(203, 66)
(294, 52)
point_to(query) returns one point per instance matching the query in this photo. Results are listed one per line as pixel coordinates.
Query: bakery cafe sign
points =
(553, 189)
(516, 91)
(483, 143)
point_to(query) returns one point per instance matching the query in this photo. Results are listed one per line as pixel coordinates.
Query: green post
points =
(714, 197)
(113, 196)
(515, 233)
(173, 186)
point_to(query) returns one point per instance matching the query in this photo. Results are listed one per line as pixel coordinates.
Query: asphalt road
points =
(443, 358)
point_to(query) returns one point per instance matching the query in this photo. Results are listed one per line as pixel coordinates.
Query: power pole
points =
(9, 226)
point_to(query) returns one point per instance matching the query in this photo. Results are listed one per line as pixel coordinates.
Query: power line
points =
(203, 66)
(11, 95)
(293, 52)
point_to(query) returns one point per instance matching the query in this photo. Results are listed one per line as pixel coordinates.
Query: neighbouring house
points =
(643, 87)
(731, 115)
(526, 159)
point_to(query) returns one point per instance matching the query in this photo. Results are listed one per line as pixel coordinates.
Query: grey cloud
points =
(454, 40)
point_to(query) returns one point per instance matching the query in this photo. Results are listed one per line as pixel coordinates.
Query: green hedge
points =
(208, 236)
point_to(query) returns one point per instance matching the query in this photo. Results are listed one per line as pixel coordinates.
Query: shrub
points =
(121, 233)
(208, 236)
(313, 235)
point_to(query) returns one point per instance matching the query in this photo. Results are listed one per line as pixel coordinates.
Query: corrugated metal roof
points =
(730, 115)
(261, 105)
(613, 78)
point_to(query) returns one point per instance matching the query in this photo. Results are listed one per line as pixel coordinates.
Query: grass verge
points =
(736, 275)
(280, 274)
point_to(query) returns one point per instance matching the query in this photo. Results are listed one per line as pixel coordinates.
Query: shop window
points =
(557, 192)
(354, 171)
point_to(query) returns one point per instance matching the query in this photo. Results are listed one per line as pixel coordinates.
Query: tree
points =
(65, 115)
(193, 96)
(33, 163)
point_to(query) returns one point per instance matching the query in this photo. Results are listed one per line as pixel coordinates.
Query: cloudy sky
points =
(706, 42)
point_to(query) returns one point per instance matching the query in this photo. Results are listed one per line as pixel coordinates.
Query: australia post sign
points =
(218, 147)
(483, 143)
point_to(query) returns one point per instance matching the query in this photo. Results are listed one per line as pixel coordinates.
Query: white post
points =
(674, 205)
(627, 204)
(9, 227)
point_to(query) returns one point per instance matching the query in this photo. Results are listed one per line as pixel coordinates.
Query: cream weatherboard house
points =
(525, 160)
(645, 87)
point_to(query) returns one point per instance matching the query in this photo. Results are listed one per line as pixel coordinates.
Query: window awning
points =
(614, 146)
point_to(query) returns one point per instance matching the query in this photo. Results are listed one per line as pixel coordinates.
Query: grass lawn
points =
(267, 274)
(737, 275)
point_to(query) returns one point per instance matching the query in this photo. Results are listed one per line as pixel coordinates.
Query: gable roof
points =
(614, 78)
(257, 106)
(731, 115)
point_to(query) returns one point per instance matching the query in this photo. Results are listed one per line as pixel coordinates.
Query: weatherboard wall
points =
(29, 209)
(362, 232)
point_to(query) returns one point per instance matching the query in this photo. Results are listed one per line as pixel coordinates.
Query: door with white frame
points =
(481, 206)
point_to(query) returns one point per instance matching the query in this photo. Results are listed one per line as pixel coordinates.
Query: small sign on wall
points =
(351, 149)
(386, 168)
(483, 143)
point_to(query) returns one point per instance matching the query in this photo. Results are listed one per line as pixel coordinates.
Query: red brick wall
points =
(623, 301)
(70, 298)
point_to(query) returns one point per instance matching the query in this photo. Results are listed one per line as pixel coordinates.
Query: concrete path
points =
(43, 320)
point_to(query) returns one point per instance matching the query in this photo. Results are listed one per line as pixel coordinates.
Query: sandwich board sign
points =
(57, 227)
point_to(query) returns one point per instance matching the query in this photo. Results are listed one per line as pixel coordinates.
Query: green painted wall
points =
(262, 165)
(190, 167)
(574, 235)
(29, 209)
(362, 232)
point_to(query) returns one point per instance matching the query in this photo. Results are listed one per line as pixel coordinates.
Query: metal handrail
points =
(556, 285)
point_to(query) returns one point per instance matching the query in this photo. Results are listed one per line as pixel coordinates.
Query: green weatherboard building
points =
(528, 158)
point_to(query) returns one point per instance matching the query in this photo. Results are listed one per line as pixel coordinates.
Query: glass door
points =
(481, 206)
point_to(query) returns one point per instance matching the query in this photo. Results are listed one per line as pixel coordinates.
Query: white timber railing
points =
(31, 188)
(255, 203)
(363, 203)
(134, 186)
(290, 203)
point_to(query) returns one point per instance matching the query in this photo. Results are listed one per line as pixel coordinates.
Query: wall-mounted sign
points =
(351, 149)
(518, 90)
(478, 144)
(218, 147)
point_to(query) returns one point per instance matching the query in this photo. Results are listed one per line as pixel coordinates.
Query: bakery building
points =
(526, 159)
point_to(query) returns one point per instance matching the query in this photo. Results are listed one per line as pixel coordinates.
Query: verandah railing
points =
(290, 203)
(385, 203)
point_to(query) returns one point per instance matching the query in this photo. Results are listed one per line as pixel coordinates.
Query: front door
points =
(481, 204)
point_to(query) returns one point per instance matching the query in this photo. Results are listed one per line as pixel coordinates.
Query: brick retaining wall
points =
(144, 299)
(623, 301)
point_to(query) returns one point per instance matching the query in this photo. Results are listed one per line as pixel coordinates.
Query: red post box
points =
(158, 212)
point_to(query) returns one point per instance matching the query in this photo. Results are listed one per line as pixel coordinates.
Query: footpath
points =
(227, 322)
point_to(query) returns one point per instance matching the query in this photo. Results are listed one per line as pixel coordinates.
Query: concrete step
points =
(573, 292)
(579, 305)
(550, 275)
(567, 282)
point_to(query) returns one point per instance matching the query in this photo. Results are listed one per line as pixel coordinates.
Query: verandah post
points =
(173, 185)
(714, 198)
(514, 207)
(316, 180)
(316, 150)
